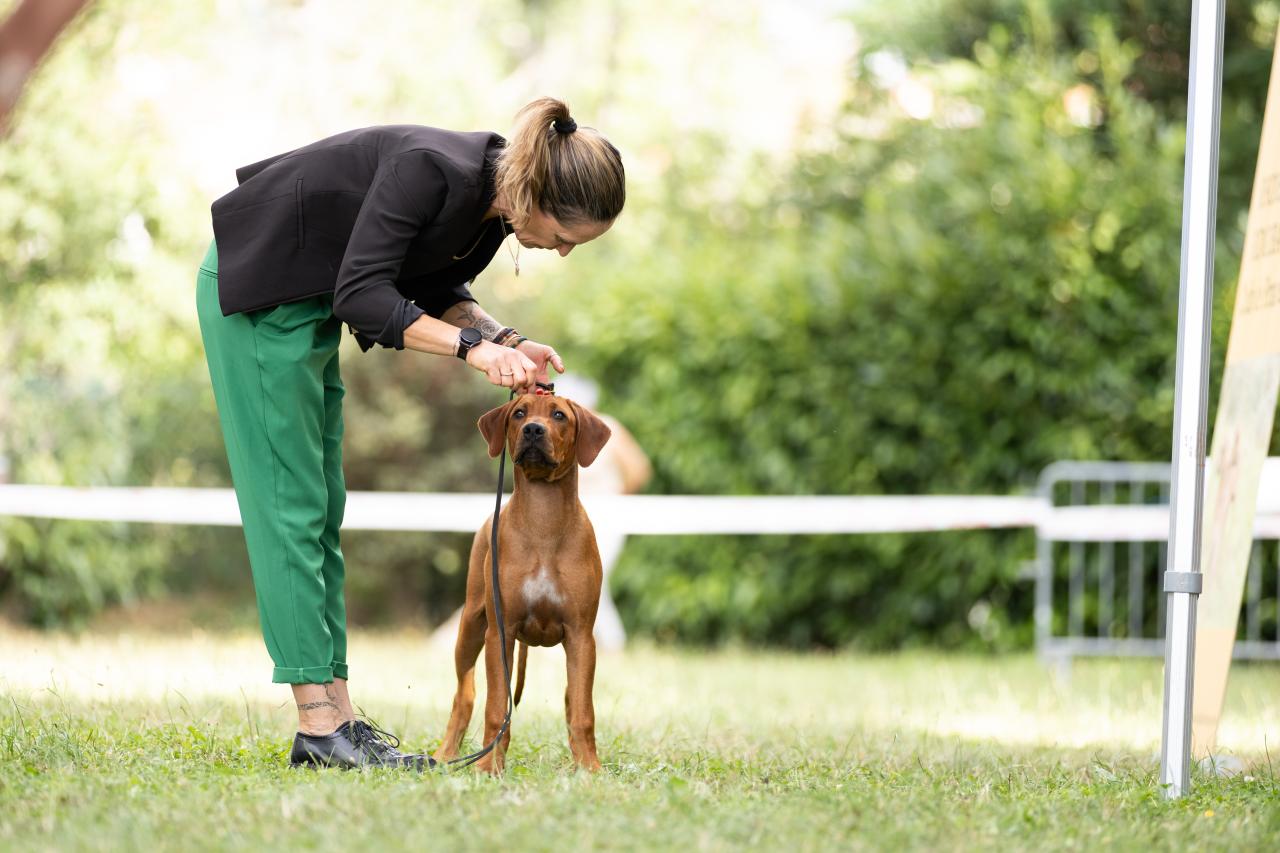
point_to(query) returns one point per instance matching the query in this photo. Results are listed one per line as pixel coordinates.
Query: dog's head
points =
(545, 435)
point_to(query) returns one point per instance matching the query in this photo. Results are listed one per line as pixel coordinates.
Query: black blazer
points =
(387, 219)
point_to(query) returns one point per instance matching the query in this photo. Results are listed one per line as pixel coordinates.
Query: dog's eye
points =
(518, 414)
(558, 415)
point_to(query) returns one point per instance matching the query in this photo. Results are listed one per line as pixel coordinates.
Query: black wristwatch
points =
(468, 338)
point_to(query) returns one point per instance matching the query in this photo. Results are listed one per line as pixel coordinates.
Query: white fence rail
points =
(635, 514)
(657, 514)
(1089, 520)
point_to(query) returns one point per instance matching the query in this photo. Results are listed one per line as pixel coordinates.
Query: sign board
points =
(1241, 432)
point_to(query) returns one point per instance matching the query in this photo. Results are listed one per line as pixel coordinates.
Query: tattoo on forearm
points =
(313, 706)
(473, 316)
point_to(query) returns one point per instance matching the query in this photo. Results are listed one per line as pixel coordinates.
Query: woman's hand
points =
(504, 366)
(542, 355)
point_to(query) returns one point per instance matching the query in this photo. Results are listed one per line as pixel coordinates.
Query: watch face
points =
(471, 336)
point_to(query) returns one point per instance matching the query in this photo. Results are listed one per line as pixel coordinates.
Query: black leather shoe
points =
(355, 744)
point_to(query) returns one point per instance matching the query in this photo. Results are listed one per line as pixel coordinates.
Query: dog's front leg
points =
(579, 708)
(471, 632)
(495, 701)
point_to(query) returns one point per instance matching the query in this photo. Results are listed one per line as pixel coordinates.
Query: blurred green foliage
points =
(970, 273)
(943, 303)
(104, 380)
(99, 369)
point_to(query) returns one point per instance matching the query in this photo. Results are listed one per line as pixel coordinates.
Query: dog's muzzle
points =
(534, 455)
(533, 448)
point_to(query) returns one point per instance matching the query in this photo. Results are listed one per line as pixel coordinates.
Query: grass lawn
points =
(175, 742)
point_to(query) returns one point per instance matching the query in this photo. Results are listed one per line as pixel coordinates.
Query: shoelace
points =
(379, 740)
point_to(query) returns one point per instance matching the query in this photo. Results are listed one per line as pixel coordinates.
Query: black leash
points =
(468, 760)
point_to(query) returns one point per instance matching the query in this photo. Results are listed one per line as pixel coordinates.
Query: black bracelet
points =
(498, 338)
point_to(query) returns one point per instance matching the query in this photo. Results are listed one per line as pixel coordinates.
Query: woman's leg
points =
(267, 369)
(324, 707)
(333, 569)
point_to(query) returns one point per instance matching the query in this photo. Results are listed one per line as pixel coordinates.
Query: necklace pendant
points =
(517, 269)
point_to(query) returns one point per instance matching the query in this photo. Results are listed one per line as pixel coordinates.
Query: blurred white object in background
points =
(622, 468)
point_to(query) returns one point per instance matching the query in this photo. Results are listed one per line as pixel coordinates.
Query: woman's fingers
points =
(511, 368)
(516, 369)
(543, 355)
(528, 369)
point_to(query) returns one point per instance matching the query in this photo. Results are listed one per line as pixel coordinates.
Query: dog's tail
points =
(524, 658)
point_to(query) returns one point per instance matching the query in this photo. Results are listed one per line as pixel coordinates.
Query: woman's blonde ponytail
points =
(550, 163)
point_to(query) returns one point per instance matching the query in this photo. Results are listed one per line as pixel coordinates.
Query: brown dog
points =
(549, 572)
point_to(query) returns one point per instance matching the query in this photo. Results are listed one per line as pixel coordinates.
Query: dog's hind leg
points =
(471, 629)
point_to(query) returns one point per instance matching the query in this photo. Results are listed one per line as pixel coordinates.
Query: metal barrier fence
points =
(1100, 556)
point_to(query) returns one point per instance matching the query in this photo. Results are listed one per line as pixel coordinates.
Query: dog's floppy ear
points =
(592, 434)
(493, 426)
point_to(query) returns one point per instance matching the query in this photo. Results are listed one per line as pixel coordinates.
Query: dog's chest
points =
(541, 588)
(544, 599)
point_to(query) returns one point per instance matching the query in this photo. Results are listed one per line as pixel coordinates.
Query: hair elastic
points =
(567, 125)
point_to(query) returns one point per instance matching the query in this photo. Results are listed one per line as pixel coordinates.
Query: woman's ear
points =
(493, 426)
(592, 434)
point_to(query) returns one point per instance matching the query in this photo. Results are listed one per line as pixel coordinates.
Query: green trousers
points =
(279, 395)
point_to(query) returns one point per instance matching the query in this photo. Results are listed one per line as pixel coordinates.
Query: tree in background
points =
(132, 128)
(969, 272)
(99, 379)
(974, 274)
(25, 37)
(103, 379)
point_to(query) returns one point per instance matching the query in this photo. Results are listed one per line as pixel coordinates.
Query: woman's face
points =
(544, 231)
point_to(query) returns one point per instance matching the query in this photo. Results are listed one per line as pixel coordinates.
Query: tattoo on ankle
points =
(312, 706)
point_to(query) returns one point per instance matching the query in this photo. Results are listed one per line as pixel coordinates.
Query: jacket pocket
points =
(302, 225)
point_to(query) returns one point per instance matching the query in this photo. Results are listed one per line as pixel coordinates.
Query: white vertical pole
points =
(1182, 582)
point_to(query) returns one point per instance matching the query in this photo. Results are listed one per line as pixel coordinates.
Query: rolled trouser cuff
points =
(305, 674)
(339, 668)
